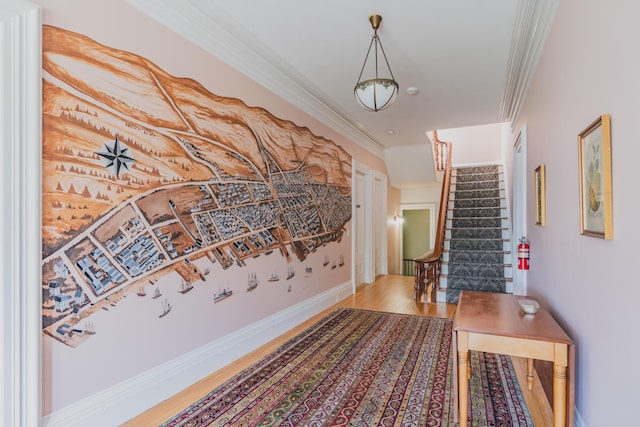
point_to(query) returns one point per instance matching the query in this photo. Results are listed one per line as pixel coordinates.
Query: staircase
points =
(477, 250)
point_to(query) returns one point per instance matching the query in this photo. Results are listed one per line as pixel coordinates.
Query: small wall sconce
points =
(398, 219)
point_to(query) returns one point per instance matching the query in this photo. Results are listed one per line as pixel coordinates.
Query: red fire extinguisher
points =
(523, 254)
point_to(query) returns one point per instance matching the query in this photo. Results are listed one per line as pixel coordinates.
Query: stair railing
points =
(440, 152)
(427, 266)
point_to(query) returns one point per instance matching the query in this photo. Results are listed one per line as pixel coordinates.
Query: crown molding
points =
(530, 31)
(217, 34)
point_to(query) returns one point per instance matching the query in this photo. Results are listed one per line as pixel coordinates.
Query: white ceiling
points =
(471, 60)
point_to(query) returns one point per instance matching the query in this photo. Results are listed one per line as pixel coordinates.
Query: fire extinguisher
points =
(523, 254)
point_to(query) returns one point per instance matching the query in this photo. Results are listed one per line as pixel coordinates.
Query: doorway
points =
(359, 226)
(369, 213)
(417, 235)
(519, 221)
(380, 225)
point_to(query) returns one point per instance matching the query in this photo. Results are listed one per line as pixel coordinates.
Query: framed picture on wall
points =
(540, 195)
(594, 156)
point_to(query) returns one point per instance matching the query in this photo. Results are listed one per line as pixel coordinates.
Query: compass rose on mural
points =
(114, 157)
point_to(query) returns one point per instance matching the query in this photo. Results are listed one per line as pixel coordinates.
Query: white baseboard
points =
(121, 402)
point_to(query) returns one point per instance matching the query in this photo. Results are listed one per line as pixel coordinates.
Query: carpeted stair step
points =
(493, 202)
(475, 233)
(490, 257)
(476, 212)
(474, 185)
(470, 170)
(477, 283)
(484, 284)
(459, 194)
(476, 222)
(508, 282)
(477, 244)
(476, 269)
(493, 177)
(475, 170)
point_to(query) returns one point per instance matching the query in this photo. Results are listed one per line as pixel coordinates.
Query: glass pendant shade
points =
(376, 93)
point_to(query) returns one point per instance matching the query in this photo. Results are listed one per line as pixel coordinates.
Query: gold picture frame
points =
(540, 195)
(594, 156)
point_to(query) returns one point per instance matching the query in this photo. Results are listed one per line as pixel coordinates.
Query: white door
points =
(380, 225)
(519, 219)
(369, 223)
(359, 234)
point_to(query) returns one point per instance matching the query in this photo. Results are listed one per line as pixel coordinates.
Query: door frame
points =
(519, 212)
(381, 250)
(431, 207)
(20, 213)
(365, 172)
(375, 221)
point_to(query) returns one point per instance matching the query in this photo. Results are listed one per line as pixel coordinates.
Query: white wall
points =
(589, 67)
(421, 195)
(410, 164)
(421, 198)
(474, 144)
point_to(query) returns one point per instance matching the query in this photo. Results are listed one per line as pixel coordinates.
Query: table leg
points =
(530, 373)
(559, 395)
(463, 386)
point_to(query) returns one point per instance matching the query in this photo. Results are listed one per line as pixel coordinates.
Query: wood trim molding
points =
(20, 252)
(533, 21)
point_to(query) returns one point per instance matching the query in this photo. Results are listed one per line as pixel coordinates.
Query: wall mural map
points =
(143, 173)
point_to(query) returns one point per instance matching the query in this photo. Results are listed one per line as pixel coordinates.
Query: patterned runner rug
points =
(363, 368)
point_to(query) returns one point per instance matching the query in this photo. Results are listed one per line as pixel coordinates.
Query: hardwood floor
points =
(388, 293)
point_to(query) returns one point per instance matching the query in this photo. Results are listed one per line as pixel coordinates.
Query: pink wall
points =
(589, 67)
(71, 374)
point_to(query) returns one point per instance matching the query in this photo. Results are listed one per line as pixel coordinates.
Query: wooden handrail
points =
(427, 266)
(440, 152)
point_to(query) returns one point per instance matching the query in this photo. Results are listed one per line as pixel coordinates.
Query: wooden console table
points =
(494, 323)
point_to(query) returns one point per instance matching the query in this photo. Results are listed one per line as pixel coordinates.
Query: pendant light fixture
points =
(377, 93)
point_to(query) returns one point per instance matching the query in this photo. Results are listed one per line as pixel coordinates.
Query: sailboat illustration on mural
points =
(220, 295)
(166, 308)
(157, 294)
(185, 287)
(252, 282)
(88, 328)
(274, 277)
(291, 271)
